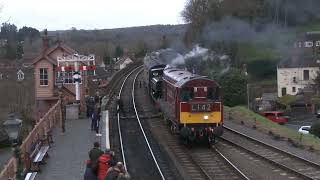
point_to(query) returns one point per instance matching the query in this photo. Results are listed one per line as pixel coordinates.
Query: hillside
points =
(103, 42)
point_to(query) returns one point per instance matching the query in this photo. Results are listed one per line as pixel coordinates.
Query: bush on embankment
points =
(315, 129)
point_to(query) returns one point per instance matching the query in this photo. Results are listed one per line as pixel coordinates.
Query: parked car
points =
(275, 116)
(304, 129)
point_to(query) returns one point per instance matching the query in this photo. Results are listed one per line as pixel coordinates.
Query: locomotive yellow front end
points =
(201, 112)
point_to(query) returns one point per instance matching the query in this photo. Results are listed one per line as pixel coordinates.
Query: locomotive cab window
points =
(213, 93)
(186, 94)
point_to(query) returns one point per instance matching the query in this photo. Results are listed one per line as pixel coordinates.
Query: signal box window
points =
(186, 94)
(43, 77)
(67, 76)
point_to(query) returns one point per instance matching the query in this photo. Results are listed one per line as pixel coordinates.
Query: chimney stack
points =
(45, 41)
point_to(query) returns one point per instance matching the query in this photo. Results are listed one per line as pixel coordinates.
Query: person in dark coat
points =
(88, 174)
(95, 152)
(95, 119)
(90, 106)
(87, 100)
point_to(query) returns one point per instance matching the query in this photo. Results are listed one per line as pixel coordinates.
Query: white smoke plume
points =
(196, 52)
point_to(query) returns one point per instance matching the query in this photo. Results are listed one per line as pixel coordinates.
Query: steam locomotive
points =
(191, 104)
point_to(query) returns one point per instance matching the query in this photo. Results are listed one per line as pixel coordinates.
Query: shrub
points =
(315, 129)
(234, 84)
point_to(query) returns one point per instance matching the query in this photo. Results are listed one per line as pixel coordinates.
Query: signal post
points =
(76, 63)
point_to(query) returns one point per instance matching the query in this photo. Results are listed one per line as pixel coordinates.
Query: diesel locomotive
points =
(191, 104)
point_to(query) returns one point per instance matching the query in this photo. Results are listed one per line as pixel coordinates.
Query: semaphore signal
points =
(79, 63)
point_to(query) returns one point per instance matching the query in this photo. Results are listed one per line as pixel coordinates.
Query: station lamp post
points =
(12, 126)
(59, 83)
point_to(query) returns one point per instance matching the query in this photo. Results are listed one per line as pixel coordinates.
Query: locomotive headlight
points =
(205, 117)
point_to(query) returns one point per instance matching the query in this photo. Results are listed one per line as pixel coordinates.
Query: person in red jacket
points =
(104, 164)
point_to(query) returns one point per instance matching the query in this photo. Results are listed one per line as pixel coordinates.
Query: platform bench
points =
(31, 176)
(38, 155)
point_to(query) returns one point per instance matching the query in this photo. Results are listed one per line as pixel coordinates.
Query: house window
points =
(43, 77)
(284, 91)
(305, 75)
(293, 89)
(294, 79)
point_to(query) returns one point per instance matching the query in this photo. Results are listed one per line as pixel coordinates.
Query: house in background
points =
(122, 63)
(296, 74)
(46, 90)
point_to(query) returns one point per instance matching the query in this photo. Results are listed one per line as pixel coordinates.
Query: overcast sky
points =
(90, 14)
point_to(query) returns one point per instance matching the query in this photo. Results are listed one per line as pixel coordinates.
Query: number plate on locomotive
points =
(200, 107)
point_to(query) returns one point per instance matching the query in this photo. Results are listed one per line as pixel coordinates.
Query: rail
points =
(238, 171)
(114, 81)
(141, 128)
(118, 117)
(289, 165)
(40, 130)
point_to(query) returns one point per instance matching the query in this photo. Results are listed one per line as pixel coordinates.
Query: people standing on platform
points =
(98, 100)
(104, 164)
(97, 97)
(88, 174)
(95, 152)
(95, 119)
(117, 172)
(87, 100)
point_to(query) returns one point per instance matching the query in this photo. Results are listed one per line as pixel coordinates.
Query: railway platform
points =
(70, 150)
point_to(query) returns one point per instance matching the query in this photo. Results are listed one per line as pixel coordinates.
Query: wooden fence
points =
(40, 130)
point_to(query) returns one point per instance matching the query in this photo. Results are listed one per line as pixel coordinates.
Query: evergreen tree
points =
(20, 50)
(234, 85)
(118, 52)
(107, 59)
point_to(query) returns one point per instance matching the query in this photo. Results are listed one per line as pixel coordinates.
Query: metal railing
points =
(40, 130)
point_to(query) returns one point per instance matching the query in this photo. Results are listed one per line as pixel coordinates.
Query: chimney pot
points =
(45, 41)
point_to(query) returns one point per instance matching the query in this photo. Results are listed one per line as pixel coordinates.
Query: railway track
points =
(138, 149)
(214, 165)
(194, 164)
(116, 79)
(110, 92)
(290, 163)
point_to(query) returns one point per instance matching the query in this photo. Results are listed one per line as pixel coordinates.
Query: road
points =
(302, 120)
